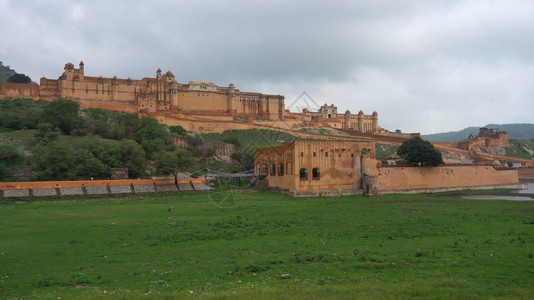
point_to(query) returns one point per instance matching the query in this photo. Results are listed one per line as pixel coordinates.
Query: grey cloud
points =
(423, 65)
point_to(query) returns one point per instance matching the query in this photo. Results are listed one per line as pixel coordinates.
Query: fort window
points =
(273, 170)
(316, 174)
(326, 154)
(280, 170)
(314, 154)
(301, 154)
(303, 174)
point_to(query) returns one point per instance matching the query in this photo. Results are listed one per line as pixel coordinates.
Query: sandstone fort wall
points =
(526, 172)
(11, 90)
(164, 96)
(423, 178)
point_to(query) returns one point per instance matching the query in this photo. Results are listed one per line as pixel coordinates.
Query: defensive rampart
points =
(428, 179)
(11, 90)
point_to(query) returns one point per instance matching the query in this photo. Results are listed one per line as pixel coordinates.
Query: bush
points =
(19, 78)
(233, 141)
(178, 130)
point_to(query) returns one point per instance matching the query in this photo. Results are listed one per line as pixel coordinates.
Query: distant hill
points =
(5, 72)
(515, 131)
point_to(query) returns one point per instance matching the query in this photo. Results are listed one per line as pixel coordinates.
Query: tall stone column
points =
(375, 121)
(231, 98)
(360, 121)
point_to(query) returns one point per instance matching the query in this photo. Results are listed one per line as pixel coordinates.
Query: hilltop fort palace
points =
(164, 98)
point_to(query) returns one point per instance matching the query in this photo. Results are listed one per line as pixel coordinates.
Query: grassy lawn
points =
(252, 138)
(183, 245)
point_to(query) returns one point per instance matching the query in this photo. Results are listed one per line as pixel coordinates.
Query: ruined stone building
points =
(487, 138)
(317, 165)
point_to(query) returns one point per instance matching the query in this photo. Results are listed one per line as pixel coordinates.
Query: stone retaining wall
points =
(41, 189)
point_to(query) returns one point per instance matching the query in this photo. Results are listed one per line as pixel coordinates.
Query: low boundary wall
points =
(527, 173)
(52, 189)
(445, 178)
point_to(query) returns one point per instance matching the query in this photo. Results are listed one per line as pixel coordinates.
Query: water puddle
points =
(514, 195)
(529, 189)
(498, 197)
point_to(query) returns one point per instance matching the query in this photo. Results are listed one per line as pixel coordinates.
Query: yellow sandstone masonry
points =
(196, 105)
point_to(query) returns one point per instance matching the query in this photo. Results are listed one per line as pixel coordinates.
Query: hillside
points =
(251, 138)
(5, 72)
(515, 131)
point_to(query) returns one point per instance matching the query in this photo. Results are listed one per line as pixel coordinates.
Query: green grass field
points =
(252, 138)
(184, 246)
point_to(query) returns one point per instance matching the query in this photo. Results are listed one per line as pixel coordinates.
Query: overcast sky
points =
(424, 66)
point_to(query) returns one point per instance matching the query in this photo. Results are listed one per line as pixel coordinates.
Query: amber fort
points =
(323, 163)
(172, 102)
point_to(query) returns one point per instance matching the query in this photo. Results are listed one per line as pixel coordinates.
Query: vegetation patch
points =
(267, 246)
(521, 149)
(251, 138)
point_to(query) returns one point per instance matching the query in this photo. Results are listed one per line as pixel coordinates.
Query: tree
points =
(63, 114)
(45, 133)
(133, 157)
(19, 78)
(178, 130)
(10, 156)
(54, 161)
(87, 166)
(418, 151)
(180, 160)
(153, 136)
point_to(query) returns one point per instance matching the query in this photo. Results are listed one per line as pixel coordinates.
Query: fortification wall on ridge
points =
(10, 90)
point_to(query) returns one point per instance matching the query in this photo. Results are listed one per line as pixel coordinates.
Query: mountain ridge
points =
(523, 131)
(5, 72)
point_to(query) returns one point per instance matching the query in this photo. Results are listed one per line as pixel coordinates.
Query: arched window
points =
(316, 174)
(265, 169)
(273, 170)
(280, 169)
(303, 174)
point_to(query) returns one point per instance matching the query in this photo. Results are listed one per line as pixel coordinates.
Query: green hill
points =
(5, 72)
(251, 138)
(515, 131)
